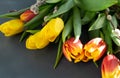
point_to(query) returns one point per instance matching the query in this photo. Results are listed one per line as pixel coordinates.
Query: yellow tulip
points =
(12, 27)
(36, 42)
(46, 35)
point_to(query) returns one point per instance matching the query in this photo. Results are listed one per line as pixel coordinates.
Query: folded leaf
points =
(99, 23)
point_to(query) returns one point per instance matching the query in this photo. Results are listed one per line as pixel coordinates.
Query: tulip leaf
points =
(14, 14)
(114, 21)
(95, 5)
(52, 1)
(116, 40)
(67, 29)
(65, 7)
(59, 54)
(94, 34)
(114, 36)
(99, 23)
(107, 36)
(88, 17)
(119, 2)
(77, 22)
(32, 31)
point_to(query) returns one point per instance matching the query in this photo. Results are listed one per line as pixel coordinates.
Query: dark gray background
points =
(18, 62)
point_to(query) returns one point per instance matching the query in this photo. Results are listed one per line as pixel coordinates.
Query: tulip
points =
(27, 15)
(37, 41)
(94, 49)
(46, 35)
(73, 50)
(110, 67)
(12, 27)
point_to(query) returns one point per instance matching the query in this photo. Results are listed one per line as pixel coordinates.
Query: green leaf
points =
(95, 5)
(77, 25)
(94, 34)
(99, 23)
(88, 17)
(67, 29)
(59, 54)
(115, 39)
(62, 9)
(52, 1)
(114, 21)
(15, 14)
(114, 36)
(24, 34)
(119, 2)
(107, 37)
(32, 31)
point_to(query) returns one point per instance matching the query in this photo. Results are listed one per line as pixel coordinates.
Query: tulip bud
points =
(94, 49)
(12, 27)
(27, 15)
(73, 50)
(110, 67)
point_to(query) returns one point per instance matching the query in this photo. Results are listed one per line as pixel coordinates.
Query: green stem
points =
(95, 64)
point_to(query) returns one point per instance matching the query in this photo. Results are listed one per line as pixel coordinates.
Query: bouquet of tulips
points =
(62, 21)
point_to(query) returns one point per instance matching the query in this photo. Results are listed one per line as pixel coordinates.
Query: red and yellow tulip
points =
(27, 15)
(110, 67)
(73, 50)
(94, 49)
(12, 27)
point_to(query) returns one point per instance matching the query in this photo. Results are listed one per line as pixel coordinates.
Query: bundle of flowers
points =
(62, 21)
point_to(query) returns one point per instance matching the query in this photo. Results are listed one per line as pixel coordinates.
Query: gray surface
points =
(18, 62)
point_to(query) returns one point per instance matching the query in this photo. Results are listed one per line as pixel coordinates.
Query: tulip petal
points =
(79, 57)
(55, 26)
(66, 52)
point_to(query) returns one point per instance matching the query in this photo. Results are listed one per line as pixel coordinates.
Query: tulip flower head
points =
(94, 49)
(27, 15)
(46, 35)
(110, 67)
(73, 50)
(37, 41)
(12, 27)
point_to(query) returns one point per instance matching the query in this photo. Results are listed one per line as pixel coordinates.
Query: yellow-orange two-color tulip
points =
(12, 27)
(73, 50)
(110, 67)
(46, 35)
(94, 49)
